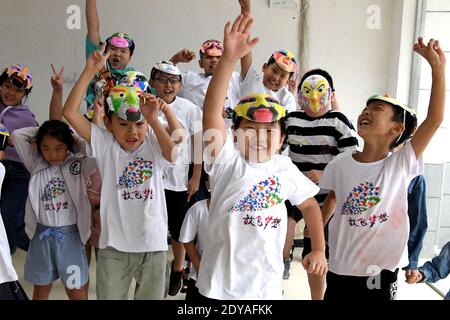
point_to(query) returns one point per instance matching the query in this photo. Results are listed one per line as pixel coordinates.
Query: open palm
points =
(236, 39)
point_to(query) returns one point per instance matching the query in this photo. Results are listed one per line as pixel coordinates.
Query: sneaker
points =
(175, 281)
(287, 267)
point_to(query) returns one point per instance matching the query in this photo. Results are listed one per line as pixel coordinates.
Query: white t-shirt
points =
(7, 272)
(370, 227)
(243, 254)
(253, 83)
(56, 208)
(190, 117)
(133, 211)
(196, 84)
(196, 224)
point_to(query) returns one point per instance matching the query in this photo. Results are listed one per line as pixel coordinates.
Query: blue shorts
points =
(56, 252)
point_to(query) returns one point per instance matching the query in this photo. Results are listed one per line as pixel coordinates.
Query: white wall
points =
(362, 61)
(37, 34)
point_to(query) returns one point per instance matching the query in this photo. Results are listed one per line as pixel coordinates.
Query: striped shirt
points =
(314, 142)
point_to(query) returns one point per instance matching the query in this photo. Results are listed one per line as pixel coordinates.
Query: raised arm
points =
(436, 58)
(247, 60)
(184, 56)
(236, 45)
(71, 110)
(93, 23)
(56, 102)
(150, 106)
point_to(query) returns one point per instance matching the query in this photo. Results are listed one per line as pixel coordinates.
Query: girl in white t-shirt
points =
(369, 231)
(243, 253)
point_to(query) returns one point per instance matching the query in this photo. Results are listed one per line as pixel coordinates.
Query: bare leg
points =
(317, 286)
(42, 292)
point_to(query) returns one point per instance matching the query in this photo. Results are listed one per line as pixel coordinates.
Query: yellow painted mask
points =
(315, 94)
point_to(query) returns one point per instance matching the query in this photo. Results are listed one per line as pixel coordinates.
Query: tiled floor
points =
(296, 288)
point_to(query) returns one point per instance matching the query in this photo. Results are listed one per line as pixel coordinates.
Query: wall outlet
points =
(288, 4)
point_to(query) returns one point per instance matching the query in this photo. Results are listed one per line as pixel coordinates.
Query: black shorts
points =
(177, 206)
(293, 211)
(12, 291)
(381, 287)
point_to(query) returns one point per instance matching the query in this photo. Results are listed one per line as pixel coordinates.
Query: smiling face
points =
(53, 151)
(166, 85)
(274, 77)
(119, 58)
(315, 95)
(376, 123)
(258, 142)
(128, 134)
(10, 95)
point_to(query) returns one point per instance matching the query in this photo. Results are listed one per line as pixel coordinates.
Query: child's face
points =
(129, 134)
(10, 95)
(274, 77)
(209, 63)
(259, 141)
(53, 150)
(375, 122)
(166, 85)
(119, 58)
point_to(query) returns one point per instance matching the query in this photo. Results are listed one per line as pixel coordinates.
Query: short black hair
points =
(319, 72)
(401, 115)
(58, 130)
(237, 121)
(272, 61)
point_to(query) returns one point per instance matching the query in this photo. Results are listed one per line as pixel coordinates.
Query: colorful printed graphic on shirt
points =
(135, 174)
(362, 198)
(54, 188)
(264, 195)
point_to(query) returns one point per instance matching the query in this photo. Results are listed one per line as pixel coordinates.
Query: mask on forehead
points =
(124, 102)
(315, 94)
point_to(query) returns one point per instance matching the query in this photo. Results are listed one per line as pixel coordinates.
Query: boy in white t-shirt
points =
(131, 155)
(193, 235)
(369, 231)
(242, 258)
(166, 78)
(195, 84)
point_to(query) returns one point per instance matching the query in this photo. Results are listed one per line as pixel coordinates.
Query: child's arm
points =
(236, 45)
(99, 112)
(184, 56)
(315, 262)
(150, 106)
(26, 147)
(438, 268)
(247, 60)
(93, 23)
(71, 111)
(193, 254)
(436, 58)
(328, 208)
(194, 181)
(56, 102)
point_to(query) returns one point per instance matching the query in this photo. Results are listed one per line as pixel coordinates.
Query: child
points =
(10, 288)
(249, 182)
(193, 234)
(280, 67)
(131, 158)
(58, 211)
(194, 85)
(16, 84)
(166, 80)
(122, 48)
(369, 232)
(316, 136)
(436, 269)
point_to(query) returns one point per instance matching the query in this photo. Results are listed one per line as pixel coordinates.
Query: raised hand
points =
(150, 106)
(57, 79)
(236, 39)
(183, 56)
(432, 52)
(97, 60)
